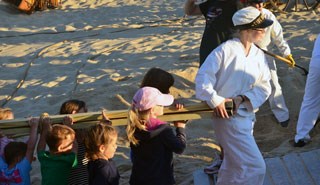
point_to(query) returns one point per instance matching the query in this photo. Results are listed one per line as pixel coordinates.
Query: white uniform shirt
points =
(274, 35)
(227, 73)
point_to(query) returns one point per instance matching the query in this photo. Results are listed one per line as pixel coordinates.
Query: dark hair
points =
(14, 151)
(158, 78)
(72, 105)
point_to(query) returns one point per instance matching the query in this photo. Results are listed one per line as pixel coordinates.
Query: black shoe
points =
(300, 143)
(284, 123)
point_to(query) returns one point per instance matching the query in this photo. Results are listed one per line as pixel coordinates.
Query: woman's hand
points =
(220, 110)
(237, 101)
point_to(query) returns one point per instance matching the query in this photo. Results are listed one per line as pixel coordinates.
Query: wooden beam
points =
(19, 127)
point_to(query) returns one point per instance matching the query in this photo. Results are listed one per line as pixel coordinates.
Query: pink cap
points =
(148, 97)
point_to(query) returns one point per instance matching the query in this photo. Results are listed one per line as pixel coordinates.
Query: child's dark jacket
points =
(152, 158)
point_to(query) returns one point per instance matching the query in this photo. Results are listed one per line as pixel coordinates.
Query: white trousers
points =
(276, 99)
(243, 163)
(310, 107)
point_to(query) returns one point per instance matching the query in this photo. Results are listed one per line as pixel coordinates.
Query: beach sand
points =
(98, 51)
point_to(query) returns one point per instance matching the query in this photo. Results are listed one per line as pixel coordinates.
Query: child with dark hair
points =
(158, 78)
(161, 80)
(79, 174)
(15, 165)
(73, 106)
(61, 157)
(100, 148)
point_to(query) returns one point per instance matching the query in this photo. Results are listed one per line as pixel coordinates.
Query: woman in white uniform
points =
(237, 71)
(310, 107)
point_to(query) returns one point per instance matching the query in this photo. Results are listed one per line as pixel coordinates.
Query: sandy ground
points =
(98, 51)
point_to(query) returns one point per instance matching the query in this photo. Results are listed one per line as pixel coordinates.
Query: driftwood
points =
(20, 127)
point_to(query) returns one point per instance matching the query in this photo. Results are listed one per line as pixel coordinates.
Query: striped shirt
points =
(79, 175)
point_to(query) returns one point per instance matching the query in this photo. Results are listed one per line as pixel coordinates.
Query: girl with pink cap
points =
(152, 150)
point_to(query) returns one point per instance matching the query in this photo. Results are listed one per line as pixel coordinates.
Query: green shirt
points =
(55, 169)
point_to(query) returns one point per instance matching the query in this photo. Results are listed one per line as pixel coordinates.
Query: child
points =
(61, 157)
(6, 113)
(158, 78)
(15, 165)
(79, 174)
(152, 150)
(73, 106)
(162, 80)
(100, 148)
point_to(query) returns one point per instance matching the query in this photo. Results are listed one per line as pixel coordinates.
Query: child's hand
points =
(67, 120)
(180, 124)
(179, 106)
(45, 121)
(33, 122)
(105, 118)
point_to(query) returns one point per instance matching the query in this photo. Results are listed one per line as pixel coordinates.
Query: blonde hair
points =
(4, 113)
(136, 120)
(57, 134)
(97, 135)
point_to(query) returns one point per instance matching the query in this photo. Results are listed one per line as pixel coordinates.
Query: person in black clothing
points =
(218, 15)
(79, 174)
(152, 161)
(100, 148)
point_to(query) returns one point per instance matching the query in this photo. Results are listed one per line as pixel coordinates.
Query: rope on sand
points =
(20, 127)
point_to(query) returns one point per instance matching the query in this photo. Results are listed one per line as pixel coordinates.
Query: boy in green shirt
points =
(62, 155)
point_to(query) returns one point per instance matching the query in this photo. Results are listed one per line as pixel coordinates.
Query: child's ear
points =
(102, 148)
(74, 112)
(60, 149)
(152, 110)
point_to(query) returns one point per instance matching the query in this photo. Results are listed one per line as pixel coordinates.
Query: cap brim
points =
(264, 24)
(164, 100)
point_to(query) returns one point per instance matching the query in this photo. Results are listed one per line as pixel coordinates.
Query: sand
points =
(98, 51)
